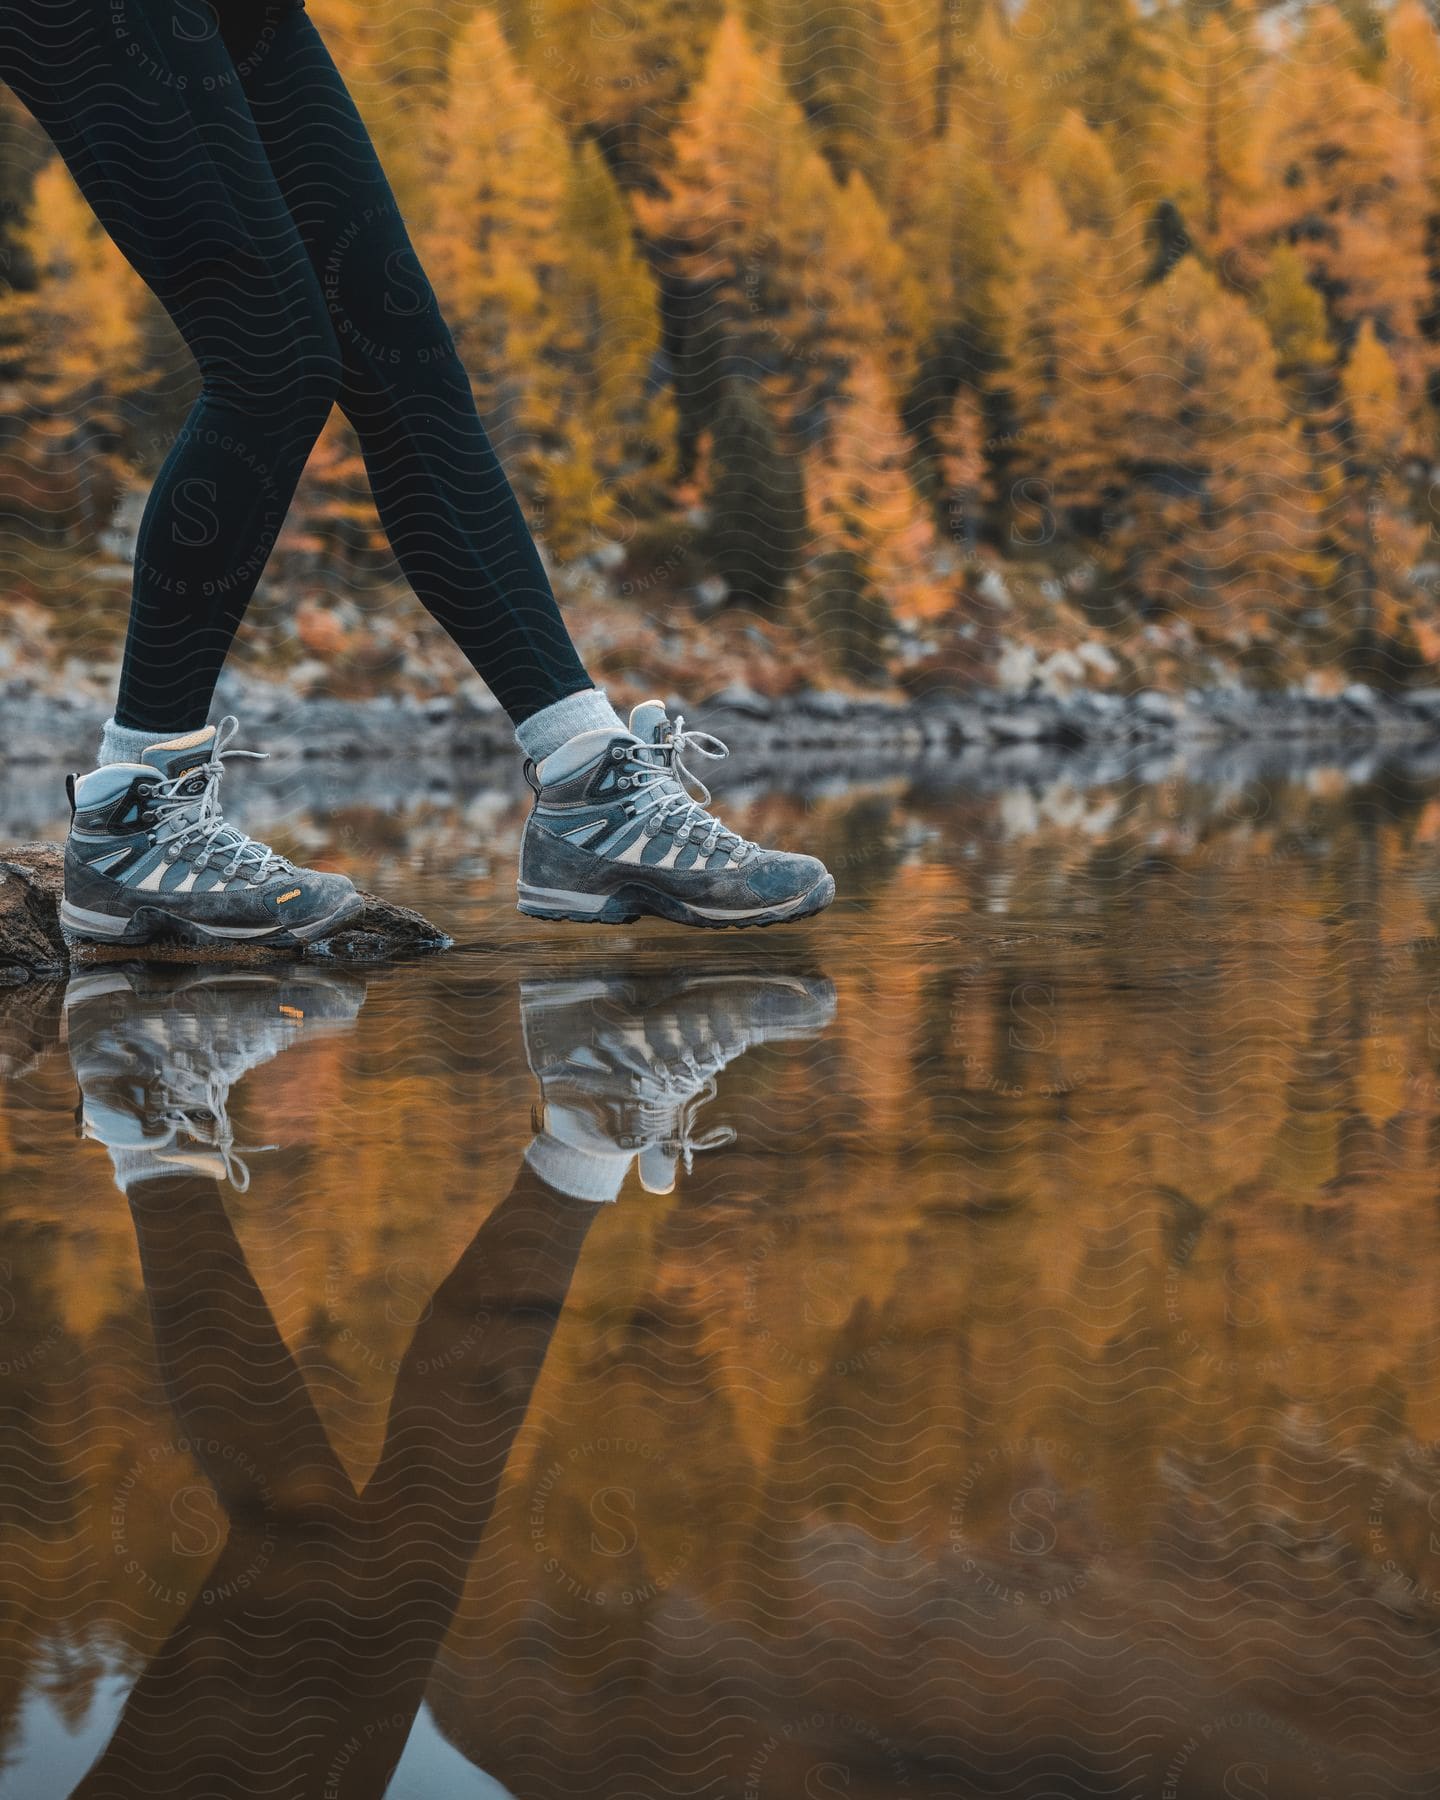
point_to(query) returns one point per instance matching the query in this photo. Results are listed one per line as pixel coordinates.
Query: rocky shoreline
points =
(36, 726)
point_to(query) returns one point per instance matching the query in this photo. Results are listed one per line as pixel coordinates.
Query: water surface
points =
(1008, 1364)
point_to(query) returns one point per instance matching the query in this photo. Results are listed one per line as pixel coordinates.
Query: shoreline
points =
(850, 729)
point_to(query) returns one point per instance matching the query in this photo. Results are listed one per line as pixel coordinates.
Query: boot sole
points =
(627, 904)
(152, 925)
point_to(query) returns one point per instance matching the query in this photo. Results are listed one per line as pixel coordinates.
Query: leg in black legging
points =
(151, 107)
(451, 517)
(144, 104)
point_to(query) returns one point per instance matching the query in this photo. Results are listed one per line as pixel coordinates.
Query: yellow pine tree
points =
(1199, 153)
(1411, 71)
(998, 96)
(875, 555)
(495, 244)
(1098, 57)
(771, 273)
(81, 325)
(391, 55)
(1083, 172)
(961, 445)
(951, 219)
(1061, 384)
(1338, 173)
(617, 71)
(72, 349)
(1381, 540)
(617, 431)
(1220, 523)
(842, 61)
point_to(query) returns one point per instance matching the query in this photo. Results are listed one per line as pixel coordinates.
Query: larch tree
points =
(1060, 384)
(769, 273)
(952, 224)
(618, 71)
(1339, 174)
(851, 76)
(1198, 154)
(1099, 57)
(613, 438)
(1219, 524)
(1412, 76)
(874, 552)
(755, 500)
(73, 349)
(496, 243)
(1381, 540)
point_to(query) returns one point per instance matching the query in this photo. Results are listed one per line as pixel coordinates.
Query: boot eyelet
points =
(623, 782)
(618, 752)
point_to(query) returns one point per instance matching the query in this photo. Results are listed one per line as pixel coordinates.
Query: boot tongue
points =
(649, 721)
(178, 756)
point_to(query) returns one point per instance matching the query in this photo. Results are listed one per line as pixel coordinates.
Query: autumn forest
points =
(910, 330)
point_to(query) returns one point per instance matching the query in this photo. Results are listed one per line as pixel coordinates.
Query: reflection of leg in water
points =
(461, 1396)
(299, 1667)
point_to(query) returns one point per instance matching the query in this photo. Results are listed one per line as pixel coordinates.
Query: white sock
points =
(545, 731)
(122, 743)
(583, 1174)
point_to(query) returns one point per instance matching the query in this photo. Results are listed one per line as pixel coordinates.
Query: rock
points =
(1156, 706)
(33, 948)
(30, 942)
(1362, 698)
(1017, 728)
(825, 703)
(738, 698)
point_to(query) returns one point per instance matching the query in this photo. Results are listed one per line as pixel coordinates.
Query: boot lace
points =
(665, 790)
(190, 822)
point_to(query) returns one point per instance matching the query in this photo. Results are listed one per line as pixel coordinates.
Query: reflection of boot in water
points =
(156, 1051)
(301, 1662)
(625, 1065)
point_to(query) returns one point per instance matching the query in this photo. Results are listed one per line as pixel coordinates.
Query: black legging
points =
(229, 164)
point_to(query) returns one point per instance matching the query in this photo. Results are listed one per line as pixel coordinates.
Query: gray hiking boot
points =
(150, 857)
(626, 1063)
(156, 1051)
(615, 833)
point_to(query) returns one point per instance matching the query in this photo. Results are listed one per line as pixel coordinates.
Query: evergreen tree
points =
(1381, 540)
(875, 553)
(1201, 141)
(953, 227)
(73, 351)
(1098, 57)
(618, 71)
(1338, 174)
(859, 92)
(1219, 524)
(1062, 376)
(495, 243)
(770, 273)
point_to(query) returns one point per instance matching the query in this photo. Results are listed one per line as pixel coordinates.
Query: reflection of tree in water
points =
(1179, 1319)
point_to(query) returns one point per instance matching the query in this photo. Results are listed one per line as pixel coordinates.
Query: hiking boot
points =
(151, 858)
(616, 833)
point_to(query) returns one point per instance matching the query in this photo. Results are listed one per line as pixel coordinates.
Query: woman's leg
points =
(450, 514)
(146, 107)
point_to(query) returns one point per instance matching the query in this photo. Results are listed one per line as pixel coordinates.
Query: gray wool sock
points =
(545, 731)
(123, 744)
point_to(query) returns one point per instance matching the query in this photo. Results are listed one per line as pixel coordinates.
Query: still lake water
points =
(1011, 1365)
